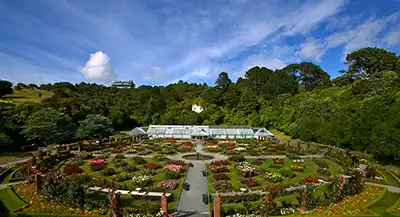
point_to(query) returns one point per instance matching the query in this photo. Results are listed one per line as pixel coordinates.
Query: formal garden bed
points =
(258, 148)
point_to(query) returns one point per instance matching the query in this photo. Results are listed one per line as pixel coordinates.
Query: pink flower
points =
(96, 161)
(173, 168)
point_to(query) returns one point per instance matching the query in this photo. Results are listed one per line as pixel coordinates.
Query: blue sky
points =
(163, 41)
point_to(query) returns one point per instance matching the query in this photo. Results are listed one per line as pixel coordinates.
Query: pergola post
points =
(217, 206)
(164, 205)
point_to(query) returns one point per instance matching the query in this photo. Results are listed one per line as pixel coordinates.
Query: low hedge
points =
(380, 197)
(4, 174)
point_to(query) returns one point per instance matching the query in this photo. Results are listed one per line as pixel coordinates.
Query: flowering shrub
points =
(141, 180)
(219, 162)
(159, 214)
(108, 171)
(116, 150)
(152, 166)
(37, 205)
(245, 169)
(222, 185)
(167, 185)
(176, 162)
(219, 168)
(129, 168)
(187, 147)
(220, 176)
(120, 156)
(97, 167)
(169, 140)
(273, 177)
(2, 169)
(231, 152)
(72, 169)
(240, 149)
(96, 161)
(250, 182)
(122, 147)
(172, 171)
(298, 166)
(237, 158)
(310, 180)
(350, 205)
(277, 160)
(121, 177)
(76, 161)
(213, 148)
(158, 156)
(145, 152)
(138, 160)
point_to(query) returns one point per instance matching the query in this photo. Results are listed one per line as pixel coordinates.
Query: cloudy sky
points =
(163, 41)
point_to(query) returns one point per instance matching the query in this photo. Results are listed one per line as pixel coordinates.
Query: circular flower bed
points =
(273, 177)
(142, 180)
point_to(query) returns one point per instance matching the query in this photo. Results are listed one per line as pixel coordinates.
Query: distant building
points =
(123, 84)
(197, 108)
(203, 132)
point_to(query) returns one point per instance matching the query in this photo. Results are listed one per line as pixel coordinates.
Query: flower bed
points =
(167, 185)
(172, 171)
(145, 152)
(220, 176)
(213, 148)
(96, 161)
(219, 162)
(250, 182)
(298, 166)
(245, 169)
(176, 162)
(121, 177)
(273, 177)
(219, 168)
(72, 169)
(310, 180)
(350, 205)
(27, 193)
(141, 180)
(222, 185)
(277, 160)
(152, 166)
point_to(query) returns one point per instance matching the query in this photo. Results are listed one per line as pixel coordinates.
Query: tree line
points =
(360, 109)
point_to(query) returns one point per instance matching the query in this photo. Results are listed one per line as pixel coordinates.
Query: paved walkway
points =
(390, 188)
(191, 202)
(3, 186)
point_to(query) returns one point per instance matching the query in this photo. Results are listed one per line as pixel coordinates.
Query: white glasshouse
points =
(203, 132)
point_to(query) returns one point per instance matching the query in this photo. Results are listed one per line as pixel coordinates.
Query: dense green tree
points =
(308, 75)
(5, 88)
(223, 80)
(20, 86)
(50, 126)
(367, 62)
(94, 127)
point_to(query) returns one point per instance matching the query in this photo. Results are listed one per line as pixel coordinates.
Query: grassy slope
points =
(333, 167)
(26, 95)
(9, 198)
(280, 134)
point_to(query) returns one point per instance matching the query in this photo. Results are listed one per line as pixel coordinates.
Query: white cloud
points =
(98, 68)
(393, 38)
(312, 49)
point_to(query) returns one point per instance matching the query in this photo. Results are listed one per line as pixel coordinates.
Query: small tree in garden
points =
(113, 198)
(305, 197)
(94, 127)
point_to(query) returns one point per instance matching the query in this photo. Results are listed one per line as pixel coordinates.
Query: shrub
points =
(219, 162)
(245, 169)
(116, 151)
(167, 151)
(324, 172)
(72, 169)
(141, 180)
(286, 172)
(119, 156)
(237, 158)
(145, 152)
(158, 156)
(273, 177)
(129, 168)
(231, 152)
(172, 171)
(96, 161)
(277, 160)
(76, 161)
(310, 180)
(176, 162)
(97, 167)
(298, 166)
(121, 177)
(119, 162)
(276, 166)
(219, 168)
(108, 171)
(220, 176)
(222, 185)
(250, 182)
(85, 155)
(152, 166)
(167, 185)
(139, 160)
(321, 163)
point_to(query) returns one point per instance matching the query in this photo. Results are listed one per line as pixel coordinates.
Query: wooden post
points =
(79, 146)
(68, 147)
(37, 182)
(164, 205)
(217, 206)
(33, 161)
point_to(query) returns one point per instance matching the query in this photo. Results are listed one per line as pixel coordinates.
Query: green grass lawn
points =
(280, 134)
(390, 179)
(333, 167)
(159, 176)
(7, 195)
(387, 201)
(26, 95)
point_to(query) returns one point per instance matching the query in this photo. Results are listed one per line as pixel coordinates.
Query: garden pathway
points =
(390, 188)
(191, 202)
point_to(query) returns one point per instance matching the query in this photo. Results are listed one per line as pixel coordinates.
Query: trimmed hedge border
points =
(394, 176)
(4, 174)
(388, 211)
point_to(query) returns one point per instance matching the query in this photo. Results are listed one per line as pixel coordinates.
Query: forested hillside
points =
(359, 109)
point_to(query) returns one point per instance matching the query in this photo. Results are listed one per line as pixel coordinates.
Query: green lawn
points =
(280, 134)
(333, 167)
(390, 179)
(159, 176)
(387, 201)
(7, 195)
(26, 95)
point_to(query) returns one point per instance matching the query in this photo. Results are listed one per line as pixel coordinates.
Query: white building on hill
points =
(205, 132)
(197, 108)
